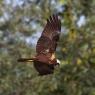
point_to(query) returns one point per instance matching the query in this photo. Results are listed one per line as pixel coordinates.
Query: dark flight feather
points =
(50, 36)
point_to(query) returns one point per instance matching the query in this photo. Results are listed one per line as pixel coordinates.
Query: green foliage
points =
(76, 48)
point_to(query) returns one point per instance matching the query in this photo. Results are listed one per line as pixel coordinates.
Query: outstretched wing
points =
(48, 41)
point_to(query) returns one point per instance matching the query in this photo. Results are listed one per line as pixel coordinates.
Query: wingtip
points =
(54, 21)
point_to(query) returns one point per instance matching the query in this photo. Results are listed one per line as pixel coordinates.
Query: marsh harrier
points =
(45, 60)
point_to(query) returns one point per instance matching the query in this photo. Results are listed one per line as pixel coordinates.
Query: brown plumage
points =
(45, 61)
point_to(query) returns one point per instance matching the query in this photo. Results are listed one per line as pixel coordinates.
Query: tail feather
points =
(25, 60)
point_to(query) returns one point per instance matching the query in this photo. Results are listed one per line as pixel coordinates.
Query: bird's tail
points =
(25, 60)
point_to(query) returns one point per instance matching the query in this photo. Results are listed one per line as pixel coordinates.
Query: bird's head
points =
(55, 62)
(58, 61)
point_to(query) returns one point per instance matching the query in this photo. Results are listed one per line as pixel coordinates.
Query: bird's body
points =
(45, 60)
(43, 68)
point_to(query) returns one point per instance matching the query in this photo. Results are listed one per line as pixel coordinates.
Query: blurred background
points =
(21, 24)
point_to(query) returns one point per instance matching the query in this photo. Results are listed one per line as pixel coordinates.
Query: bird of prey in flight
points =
(45, 61)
